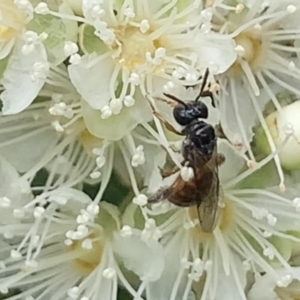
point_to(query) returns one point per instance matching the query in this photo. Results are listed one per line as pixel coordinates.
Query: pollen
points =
(292, 291)
(6, 32)
(12, 20)
(88, 258)
(252, 45)
(89, 141)
(135, 45)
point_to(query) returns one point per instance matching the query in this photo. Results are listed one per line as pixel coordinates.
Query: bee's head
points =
(184, 114)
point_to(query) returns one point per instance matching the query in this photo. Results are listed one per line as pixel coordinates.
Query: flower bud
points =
(76, 6)
(282, 124)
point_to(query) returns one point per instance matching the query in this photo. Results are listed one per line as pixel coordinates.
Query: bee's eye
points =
(201, 110)
(182, 115)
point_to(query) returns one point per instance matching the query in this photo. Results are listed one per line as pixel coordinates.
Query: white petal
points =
(19, 88)
(76, 6)
(241, 108)
(75, 199)
(233, 164)
(145, 260)
(11, 185)
(5, 47)
(8, 174)
(219, 54)
(227, 285)
(155, 159)
(91, 77)
(263, 288)
(104, 288)
(119, 125)
(162, 288)
(26, 152)
(151, 173)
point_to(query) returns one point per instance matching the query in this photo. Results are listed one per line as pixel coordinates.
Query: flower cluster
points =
(88, 90)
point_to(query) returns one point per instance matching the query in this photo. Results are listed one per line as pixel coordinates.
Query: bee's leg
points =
(165, 173)
(220, 159)
(216, 160)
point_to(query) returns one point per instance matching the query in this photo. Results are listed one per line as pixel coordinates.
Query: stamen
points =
(239, 120)
(255, 21)
(140, 200)
(269, 138)
(250, 76)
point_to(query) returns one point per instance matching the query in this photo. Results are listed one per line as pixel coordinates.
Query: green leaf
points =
(123, 295)
(89, 42)
(115, 192)
(58, 30)
(3, 65)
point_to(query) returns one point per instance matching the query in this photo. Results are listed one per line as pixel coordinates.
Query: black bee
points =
(199, 151)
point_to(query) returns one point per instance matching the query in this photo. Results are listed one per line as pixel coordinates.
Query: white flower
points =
(14, 192)
(76, 6)
(27, 64)
(25, 74)
(31, 142)
(57, 135)
(250, 236)
(265, 34)
(13, 19)
(287, 287)
(279, 122)
(83, 97)
(130, 51)
(66, 245)
(34, 44)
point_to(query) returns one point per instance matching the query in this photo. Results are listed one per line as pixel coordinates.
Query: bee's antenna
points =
(203, 84)
(175, 99)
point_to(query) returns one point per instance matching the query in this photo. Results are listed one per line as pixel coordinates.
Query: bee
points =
(199, 151)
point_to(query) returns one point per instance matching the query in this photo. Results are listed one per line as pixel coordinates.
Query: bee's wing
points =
(208, 193)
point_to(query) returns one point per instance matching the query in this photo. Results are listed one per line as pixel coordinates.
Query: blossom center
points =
(12, 20)
(291, 292)
(250, 48)
(90, 251)
(135, 45)
(6, 32)
(89, 141)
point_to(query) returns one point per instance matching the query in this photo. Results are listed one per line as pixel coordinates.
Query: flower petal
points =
(19, 88)
(162, 288)
(91, 77)
(145, 260)
(219, 53)
(238, 115)
(5, 47)
(25, 147)
(119, 125)
(233, 164)
(263, 288)
(228, 285)
(11, 185)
